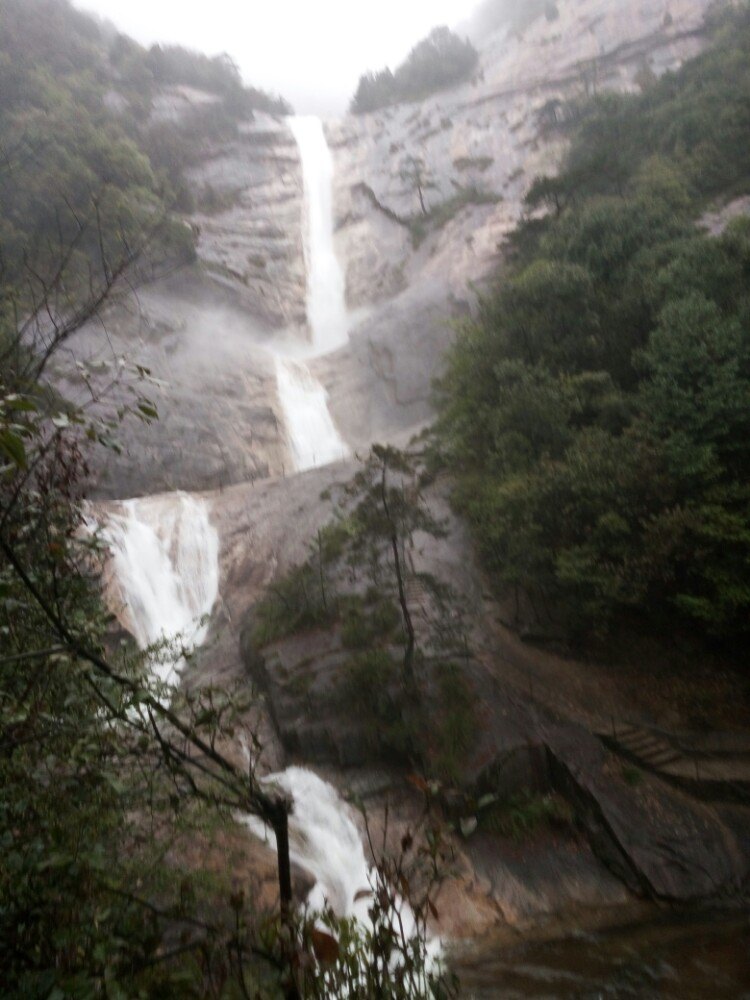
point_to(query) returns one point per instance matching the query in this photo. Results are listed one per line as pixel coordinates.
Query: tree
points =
(440, 60)
(595, 409)
(414, 172)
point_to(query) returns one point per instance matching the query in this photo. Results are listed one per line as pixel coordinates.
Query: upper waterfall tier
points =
(326, 298)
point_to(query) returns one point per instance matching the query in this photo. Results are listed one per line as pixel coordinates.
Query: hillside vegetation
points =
(596, 411)
(440, 60)
(78, 148)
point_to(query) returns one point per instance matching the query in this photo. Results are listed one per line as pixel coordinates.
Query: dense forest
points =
(76, 128)
(596, 410)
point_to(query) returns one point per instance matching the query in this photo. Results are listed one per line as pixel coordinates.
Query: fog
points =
(311, 52)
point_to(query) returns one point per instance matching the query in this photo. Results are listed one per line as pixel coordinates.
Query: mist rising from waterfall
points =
(165, 561)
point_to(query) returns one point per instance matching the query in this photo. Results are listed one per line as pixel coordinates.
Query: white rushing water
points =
(311, 431)
(324, 841)
(165, 561)
(312, 434)
(326, 299)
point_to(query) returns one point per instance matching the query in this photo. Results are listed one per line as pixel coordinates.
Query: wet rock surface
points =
(219, 415)
(629, 839)
(249, 220)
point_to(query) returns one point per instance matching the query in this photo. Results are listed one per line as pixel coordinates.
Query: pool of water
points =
(705, 959)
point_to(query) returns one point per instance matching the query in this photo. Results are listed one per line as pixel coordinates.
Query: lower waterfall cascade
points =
(325, 842)
(165, 561)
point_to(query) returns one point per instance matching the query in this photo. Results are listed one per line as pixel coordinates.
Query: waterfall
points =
(324, 842)
(313, 437)
(326, 300)
(165, 562)
(312, 434)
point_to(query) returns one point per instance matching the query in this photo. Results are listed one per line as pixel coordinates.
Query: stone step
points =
(664, 757)
(641, 744)
(720, 777)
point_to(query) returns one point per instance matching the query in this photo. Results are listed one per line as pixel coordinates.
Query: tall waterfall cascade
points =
(326, 300)
(165, 565)
(313, 437)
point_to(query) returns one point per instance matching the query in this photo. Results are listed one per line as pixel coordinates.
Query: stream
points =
(690, 958)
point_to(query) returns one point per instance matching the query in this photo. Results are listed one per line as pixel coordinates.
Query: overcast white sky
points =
(311, 51)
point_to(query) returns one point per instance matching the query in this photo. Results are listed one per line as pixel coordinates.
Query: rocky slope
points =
(630, 841)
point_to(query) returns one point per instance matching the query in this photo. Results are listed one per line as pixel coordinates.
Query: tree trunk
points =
(405, 613)
(280, 823)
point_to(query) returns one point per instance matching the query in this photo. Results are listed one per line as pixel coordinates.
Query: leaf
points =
(20, 404)
(325, 946)
(362, 894)
(149, 410)
(13, 447)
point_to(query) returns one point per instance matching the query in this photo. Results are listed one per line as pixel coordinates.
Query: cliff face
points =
(249, 194)
(204, 330)
(488, 139)
(473, 151)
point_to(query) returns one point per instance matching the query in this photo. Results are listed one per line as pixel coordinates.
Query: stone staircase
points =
(646, 746)
(713, 774)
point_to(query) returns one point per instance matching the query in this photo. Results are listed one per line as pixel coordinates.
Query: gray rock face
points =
(249, 222)
(218, 409)
(660, 842)
(489, 137)
(479, 147)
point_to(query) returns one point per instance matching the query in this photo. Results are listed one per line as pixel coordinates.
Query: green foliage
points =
(295, 603)
(596, 409)
(365, 624)
(632, 776)
(450, 730)
(72, 168)
(522, 816)
(172, 64)
(440, 60)
(441, 214)
(370, 688)
(79, 152)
